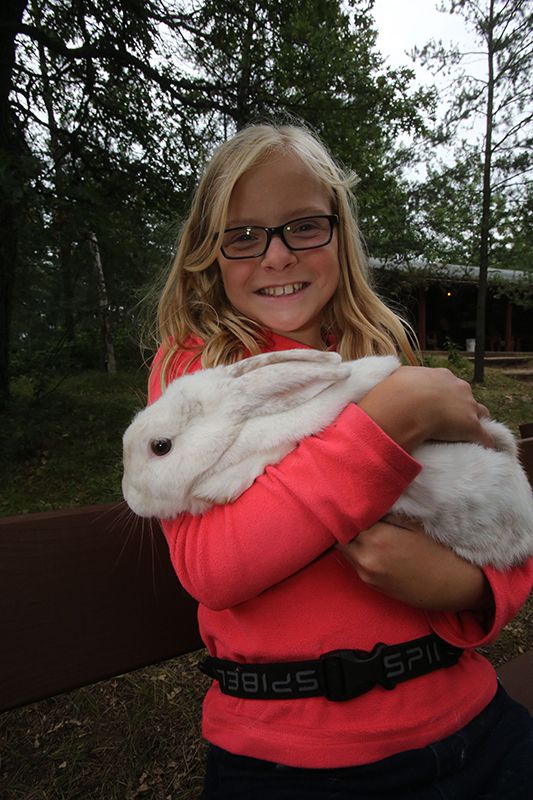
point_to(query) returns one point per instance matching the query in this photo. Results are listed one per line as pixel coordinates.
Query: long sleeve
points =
(509, 589)
(272, 588)
(325, 491)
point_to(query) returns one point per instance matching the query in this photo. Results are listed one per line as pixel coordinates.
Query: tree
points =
(82, 108)
(10, 180)
(85, 101)
(502, 99)
(118, 107)
(318, 61)
(515, 250)
(447, 205)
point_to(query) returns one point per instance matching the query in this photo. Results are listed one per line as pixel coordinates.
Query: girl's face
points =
(269, 195)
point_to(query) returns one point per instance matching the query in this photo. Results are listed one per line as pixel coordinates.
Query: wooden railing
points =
(89, 593)
(85, 594)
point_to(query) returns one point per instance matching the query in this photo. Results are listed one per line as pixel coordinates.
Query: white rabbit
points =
(213, 432)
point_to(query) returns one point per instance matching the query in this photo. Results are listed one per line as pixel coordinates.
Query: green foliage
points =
(501, 101)
(61, 443)
(455, 357)
(118, 108)
(515, 249)
(317, 61)
(519, 291)
(448, 207)
(105, 162)
(476, 200)
(121, 106)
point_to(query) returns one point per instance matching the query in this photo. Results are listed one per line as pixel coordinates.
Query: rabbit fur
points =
(226, 424)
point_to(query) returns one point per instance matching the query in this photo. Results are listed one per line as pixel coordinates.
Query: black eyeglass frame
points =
(333, 220)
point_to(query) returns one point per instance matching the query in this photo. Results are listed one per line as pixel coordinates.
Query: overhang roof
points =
(441, 272)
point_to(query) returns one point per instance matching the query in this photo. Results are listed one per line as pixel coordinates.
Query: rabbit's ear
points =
(278, 387)
(282, 356)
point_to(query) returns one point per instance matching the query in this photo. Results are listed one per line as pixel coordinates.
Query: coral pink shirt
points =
(272, 587)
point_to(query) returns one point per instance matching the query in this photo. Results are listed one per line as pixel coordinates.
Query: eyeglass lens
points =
(299, 234)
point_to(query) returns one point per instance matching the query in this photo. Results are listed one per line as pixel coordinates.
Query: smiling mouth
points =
(279, 291)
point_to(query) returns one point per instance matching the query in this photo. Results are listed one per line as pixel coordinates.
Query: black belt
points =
(338, 675)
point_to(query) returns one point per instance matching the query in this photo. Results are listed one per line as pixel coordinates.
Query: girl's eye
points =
(242, 240)
(304, 226)
(160, 447)
(240, 235)
(307, 227)
(246, 235)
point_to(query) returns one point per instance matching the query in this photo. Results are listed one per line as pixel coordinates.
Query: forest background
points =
(108, 112)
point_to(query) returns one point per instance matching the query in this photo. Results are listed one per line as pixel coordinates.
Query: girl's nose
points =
(278, 255)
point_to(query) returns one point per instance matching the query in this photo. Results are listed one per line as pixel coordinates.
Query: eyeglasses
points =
(252, 241)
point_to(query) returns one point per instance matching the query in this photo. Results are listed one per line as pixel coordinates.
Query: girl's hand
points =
(418, 403)
(398, 559)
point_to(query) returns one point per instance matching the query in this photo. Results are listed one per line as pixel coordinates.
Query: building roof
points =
(440, 271)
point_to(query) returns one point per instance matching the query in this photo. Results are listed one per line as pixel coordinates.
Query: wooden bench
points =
(90, 593)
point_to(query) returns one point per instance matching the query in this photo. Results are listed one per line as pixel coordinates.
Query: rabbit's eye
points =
(160, 447)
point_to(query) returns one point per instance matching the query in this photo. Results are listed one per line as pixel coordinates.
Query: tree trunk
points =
(10, 18)
(242, 112)
(60, 219)
(103, 305)
(8, 263)
(479, 360)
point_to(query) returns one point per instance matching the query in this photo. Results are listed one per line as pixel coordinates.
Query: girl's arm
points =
(328, 489)
(466, 605)
(399, 559)
(415, 404)
(508, 590)
(322, 493)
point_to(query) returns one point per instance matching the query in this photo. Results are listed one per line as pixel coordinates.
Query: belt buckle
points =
(346, 674)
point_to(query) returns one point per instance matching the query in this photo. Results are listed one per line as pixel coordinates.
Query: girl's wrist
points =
(402, 425)
(416, 404)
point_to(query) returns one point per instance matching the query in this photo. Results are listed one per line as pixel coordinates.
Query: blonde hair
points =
(193, 301)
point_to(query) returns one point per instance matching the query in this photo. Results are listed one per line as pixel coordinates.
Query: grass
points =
(136, 736)
(133, 737)
(63, 448)
(509, 400)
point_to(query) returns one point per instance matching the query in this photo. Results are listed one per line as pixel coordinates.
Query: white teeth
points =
(277, 291)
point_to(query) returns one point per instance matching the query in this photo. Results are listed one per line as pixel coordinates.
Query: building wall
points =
(450, 314)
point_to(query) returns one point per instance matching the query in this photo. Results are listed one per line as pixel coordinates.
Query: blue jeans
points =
(490, 759)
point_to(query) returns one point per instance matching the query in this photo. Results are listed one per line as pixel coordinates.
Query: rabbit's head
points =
(170, 446)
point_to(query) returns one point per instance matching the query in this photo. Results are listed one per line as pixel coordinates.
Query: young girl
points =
(303, 563)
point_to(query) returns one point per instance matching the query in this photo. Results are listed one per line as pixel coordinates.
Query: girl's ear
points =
(277, 387)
